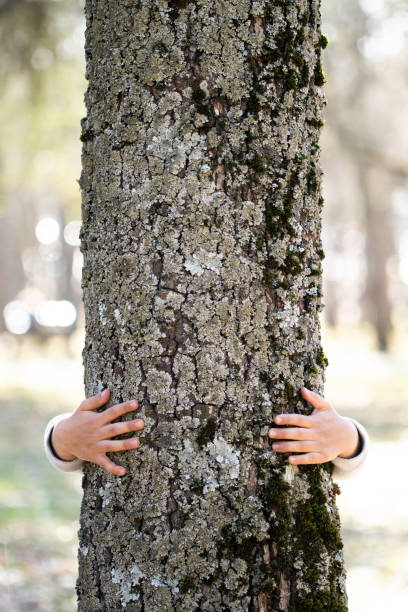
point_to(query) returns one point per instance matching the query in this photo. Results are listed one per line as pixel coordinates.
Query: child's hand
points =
(321, 437)
(85, 434)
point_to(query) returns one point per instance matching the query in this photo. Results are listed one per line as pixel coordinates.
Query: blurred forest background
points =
(365, 324)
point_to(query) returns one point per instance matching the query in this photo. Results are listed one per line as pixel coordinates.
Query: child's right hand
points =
(85, 434)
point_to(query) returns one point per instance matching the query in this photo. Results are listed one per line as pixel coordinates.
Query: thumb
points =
(95, 401)
(317, 401)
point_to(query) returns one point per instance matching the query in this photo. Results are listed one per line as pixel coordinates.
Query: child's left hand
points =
(320, 437)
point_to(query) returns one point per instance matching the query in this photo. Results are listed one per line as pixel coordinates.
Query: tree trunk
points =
(201, 242)
(376, 187)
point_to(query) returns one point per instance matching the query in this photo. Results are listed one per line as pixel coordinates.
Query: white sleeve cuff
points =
(59, 464)
(348, 468)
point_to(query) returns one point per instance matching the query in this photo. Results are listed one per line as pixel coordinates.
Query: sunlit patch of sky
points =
(330, 32)
(374, 8)
(403, 253)
(47, 230)
(71, 233)
(388, 38)
(17, 317)
(400, 202)
(72, 45)
(53, 313)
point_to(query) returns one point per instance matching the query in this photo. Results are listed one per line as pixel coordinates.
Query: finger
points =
(117, 429)
(291, 433)
(95, 401)
(113, 468)
(306, 446)
(117, 410)
(300, 420)
(113, 446)
(313, 398)
(306, 459)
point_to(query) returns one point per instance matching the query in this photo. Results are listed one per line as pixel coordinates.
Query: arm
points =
(84, 435)
(56, 461)
(348, 467)
(323, 436)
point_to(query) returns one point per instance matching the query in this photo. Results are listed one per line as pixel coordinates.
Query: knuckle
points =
(108, 465)
(116, 411)
(110, 430)
(133, 443)
(100, 462)
(130, 405)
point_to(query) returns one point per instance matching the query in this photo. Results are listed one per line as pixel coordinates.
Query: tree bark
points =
(201, 241)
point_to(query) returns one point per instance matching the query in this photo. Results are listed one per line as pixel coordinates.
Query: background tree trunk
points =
(376, 187)
(201, 239)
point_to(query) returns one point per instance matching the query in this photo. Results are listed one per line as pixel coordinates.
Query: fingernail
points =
(122, 471)
(133, 404)
(272, 433)
(138, 423)
(278, 419)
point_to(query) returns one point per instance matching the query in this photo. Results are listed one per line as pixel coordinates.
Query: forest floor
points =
(40, 506)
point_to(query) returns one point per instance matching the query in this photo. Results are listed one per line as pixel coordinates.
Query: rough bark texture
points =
(201, 238)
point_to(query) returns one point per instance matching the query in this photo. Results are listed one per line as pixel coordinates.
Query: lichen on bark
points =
(201, 241)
